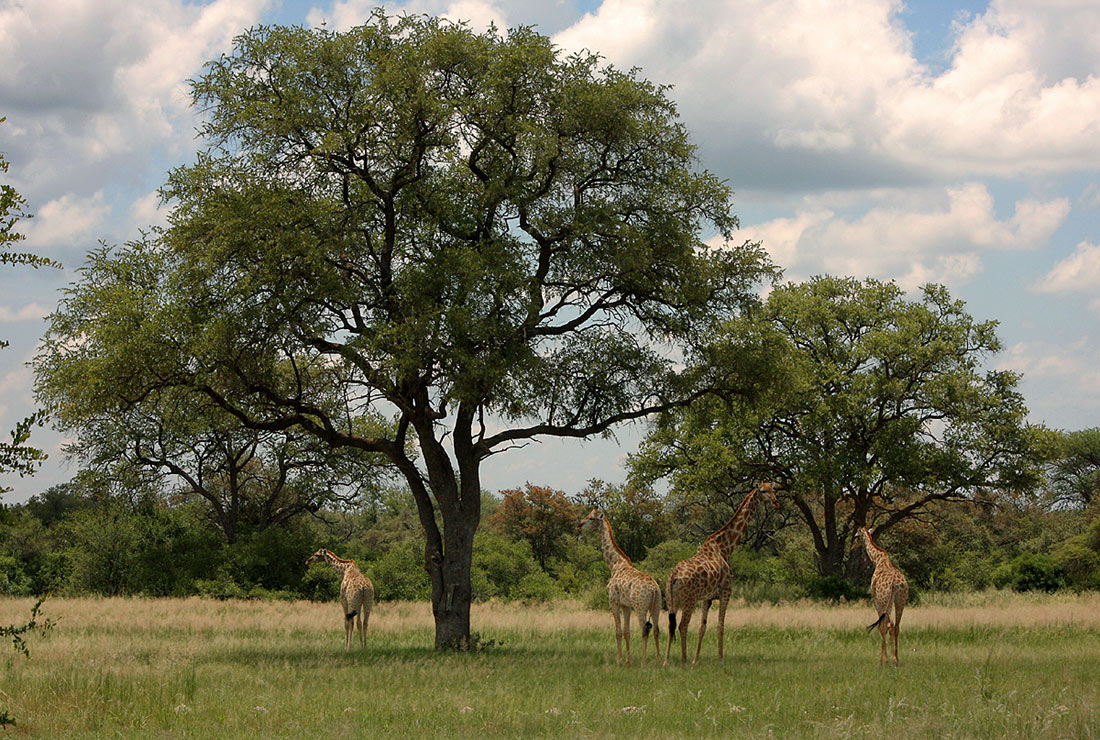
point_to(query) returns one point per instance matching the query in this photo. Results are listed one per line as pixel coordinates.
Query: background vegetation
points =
(93, 537)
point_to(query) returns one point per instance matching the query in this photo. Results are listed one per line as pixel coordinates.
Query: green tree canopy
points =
(539, 515)
(247, 478)
(1074, 474)
(638, 516)
(478, 237)
(884, 410)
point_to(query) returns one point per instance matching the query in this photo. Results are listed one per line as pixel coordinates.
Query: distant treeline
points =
(73, 539)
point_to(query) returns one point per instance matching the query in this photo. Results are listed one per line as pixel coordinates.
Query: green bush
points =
(321, 583)
(399, 574)
(1030, 572)
(500, 564)
(662, 558)
(221, 586)
(13, 580)
(833, 588)
(536, 586)
(1080, 565)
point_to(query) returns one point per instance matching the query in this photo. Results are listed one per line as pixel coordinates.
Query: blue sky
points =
(954, 142)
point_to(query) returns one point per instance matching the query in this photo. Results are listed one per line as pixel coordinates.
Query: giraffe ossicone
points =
(356, 594)
(628, 590)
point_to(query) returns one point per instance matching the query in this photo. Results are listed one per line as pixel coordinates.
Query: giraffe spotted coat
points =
(628, 590)
(888, 589)
(356, 594)
(705, 576)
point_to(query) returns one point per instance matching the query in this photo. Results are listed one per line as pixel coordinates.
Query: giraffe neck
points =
(611, 552)
(339, 564)
(729, 536)
(878, 555)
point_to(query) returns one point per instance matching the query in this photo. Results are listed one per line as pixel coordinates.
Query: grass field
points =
(981, 666)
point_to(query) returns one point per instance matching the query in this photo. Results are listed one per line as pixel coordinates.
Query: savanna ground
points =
(976, 666)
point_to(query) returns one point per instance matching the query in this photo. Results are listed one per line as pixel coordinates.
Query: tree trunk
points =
(452, 592)
(449, 555)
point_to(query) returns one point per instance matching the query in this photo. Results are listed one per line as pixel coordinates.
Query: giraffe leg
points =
(655, 619)
(685, 619)
(702, 630)
(362, 630)
(897, 629)
(645, 633)
(722, 604)
(349, 627)
(671, 633)
(626, 632)
(618, 636)
(884, 630)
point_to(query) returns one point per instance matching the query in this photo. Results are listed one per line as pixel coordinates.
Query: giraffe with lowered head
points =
(705, 576)
(356, 594)
(888, 589)
(628, 590)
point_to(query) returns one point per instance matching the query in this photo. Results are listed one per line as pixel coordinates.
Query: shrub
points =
(221, 586)
(536, 586)
(13, 580)
(399, 574)
(1080, 565)
(662, 558)
(321, 583)
(500, 564)
(1030, 572)
(833, 588)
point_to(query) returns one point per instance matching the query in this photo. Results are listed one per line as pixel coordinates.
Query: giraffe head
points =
(767, 488)
(594, 519)
(321, 556)
(863, 539)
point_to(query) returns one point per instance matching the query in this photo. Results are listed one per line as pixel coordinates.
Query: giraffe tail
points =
(673, 585)
(647, 629)
(882, 617)
(351, 615)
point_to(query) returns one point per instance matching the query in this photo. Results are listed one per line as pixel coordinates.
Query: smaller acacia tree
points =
(541, 516)
(883, 411)
(1074, 473)
(638, 515)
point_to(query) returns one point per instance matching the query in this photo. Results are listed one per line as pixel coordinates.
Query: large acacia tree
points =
(884, 409)
(477, 236)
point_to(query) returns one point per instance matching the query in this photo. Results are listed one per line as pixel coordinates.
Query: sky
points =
(927, 141)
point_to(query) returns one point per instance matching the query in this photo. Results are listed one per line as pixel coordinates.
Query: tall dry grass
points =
(205, 616)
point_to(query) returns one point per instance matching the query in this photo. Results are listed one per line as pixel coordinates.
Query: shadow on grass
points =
(305, 654)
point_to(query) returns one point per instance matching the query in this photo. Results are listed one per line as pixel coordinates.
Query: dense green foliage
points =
(76, 539)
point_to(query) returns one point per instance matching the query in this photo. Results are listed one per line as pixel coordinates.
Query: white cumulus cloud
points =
(1079, 272)
(793, 95)
(914, 237)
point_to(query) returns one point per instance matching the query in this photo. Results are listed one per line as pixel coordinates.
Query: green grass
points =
(192, 668)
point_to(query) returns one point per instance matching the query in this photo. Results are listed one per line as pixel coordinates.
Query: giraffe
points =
(705, 576)
(628, 589)
(888, 588)
(356, 593)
